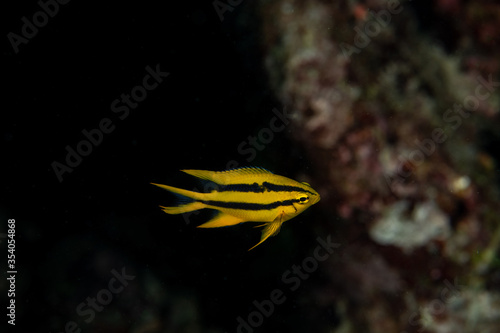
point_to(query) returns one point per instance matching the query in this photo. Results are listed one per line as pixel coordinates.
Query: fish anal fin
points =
(271, 229)
(222, 220)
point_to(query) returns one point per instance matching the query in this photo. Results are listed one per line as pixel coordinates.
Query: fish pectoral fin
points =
(271, 229)
(221, 220)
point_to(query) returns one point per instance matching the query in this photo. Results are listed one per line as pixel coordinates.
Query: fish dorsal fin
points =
(203, 174)
(247, 171)
(223, 177)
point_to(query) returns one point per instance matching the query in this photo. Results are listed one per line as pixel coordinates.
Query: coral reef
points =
(392, 122)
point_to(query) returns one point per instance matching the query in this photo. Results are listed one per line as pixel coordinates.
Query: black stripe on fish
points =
(256, 188)
(284, 188)
(249, 206)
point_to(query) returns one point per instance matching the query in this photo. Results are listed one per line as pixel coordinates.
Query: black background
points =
(104, 215)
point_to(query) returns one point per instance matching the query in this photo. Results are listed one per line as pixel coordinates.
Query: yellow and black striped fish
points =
(247, 195)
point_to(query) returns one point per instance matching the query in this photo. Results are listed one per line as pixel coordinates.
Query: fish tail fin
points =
(195, 205)
(187, 200)
(271, 229)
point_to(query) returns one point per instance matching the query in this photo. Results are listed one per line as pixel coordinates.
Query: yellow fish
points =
(247, 195)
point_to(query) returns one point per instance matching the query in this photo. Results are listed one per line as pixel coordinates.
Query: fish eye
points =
(303, 199)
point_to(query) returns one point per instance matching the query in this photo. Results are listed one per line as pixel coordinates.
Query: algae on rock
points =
(393, 132)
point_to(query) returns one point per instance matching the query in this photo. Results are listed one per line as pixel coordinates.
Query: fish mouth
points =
(317, 198)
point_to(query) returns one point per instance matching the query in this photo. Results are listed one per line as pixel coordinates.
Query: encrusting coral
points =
(393, 124)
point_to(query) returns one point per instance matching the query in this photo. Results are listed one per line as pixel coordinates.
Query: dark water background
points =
(104, 215)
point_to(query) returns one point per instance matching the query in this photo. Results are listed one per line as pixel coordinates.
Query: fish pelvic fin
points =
(188, 200)
(271, 229)
(222, 220)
